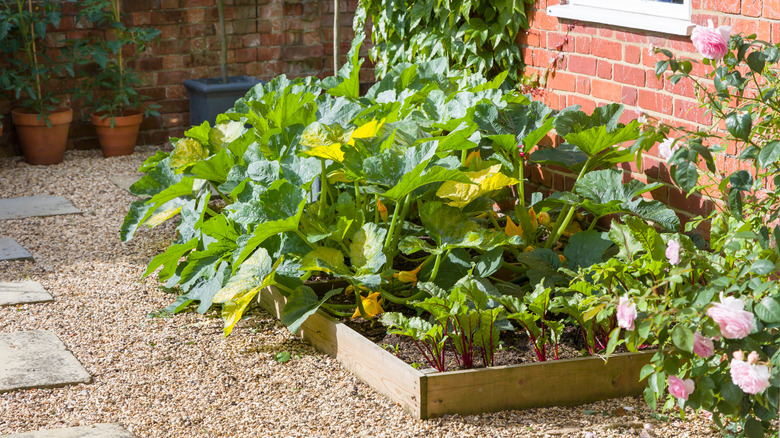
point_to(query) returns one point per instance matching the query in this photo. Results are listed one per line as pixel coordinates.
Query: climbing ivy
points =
(475, 35)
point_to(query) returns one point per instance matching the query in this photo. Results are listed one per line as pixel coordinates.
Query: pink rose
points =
(680, 388)
(667, 148)
(626, 313)
(733, 320)
(751, 378)
(710, 42)
(673, 252)
(702, 347)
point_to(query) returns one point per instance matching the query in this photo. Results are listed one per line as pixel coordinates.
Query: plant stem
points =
(323, 191)
(222, 41)
(435, 270)
(311, 245)
(521, 184)
(559, 228)
(33, 53)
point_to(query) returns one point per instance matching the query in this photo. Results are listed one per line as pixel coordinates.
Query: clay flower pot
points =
(42, 143)
(120, 138)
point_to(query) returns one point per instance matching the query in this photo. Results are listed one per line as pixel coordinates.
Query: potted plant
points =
(212, 96)
(111, 90)
(42, 125)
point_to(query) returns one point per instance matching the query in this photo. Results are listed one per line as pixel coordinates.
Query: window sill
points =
(632, 20)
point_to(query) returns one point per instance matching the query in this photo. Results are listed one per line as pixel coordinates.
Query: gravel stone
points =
(161, 376)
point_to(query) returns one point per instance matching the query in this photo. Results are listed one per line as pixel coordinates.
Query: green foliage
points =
(111, 88)
(468, 317)
(474, 36)
(23, 43)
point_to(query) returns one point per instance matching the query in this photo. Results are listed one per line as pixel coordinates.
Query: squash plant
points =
(385, 191)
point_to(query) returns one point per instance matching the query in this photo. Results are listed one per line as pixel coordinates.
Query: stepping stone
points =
(125, 181)
(10, 250)
(104, 430)
(37, 359)
(29, 206)
(23, 292)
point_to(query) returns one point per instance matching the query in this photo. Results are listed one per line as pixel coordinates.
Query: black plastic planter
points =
(210, 97)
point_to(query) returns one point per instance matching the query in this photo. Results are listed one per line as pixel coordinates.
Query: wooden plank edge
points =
(541, 384)
(375, 366)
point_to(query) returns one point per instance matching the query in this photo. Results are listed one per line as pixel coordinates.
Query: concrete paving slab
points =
(105, 430)
(10, 250)
(30, 206)
(37, 359)
(23, 292)
(125, 181)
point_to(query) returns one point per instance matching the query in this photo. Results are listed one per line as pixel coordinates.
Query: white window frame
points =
(650, 15)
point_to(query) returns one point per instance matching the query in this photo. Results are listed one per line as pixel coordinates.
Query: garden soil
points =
(162, 376)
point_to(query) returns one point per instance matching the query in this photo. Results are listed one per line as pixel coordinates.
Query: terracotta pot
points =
(120, 138)
(42, 144)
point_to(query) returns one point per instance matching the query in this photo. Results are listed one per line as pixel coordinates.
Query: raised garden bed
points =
(427, 393)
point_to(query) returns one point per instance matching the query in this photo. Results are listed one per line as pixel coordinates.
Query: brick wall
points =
(603, 64)
(265, 38)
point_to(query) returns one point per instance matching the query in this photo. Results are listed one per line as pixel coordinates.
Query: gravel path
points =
(177, 376)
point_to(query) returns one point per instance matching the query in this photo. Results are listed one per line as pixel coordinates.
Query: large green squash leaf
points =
(301, 304)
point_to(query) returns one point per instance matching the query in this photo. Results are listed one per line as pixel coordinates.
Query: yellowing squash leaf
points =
(369, 130)
(187, 150)
(485, 180)
(321, 141)
(161, 216)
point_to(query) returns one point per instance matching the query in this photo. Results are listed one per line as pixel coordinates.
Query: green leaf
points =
(325, 259)
(682, 337)
(301, 304)
(187, 150)
(768, 310)
(741, 180)
(488, 263)
(756, 62)
(269, 229)
(565, 155)
(419, 177)
(350, 77)
(762, 267)
(769, 154)
(685, 174)
(739, 125)
(585, 249)
(170, 259)
(753, 427)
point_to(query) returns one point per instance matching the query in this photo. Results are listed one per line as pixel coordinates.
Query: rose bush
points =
(711, 308)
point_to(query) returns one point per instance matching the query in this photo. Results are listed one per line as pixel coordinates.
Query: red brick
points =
(655, 101)
(629, 75)
(604, 48)
(583, 85)
(727, 6)
(687, 110)
(652, 81)
(604, 69)
(582, 44)
(751, 8)
(581, 64)
(633, 54)
(628, 96)
(562, 82)
(771, 9)
(606, 90)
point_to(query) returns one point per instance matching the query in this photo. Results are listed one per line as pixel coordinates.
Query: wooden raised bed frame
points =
(431, 394)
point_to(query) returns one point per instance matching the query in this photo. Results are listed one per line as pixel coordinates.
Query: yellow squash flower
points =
(511, 229)
(371, 305)
(408, 276)
(544, 219)
(382, 210)
(534, 221)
